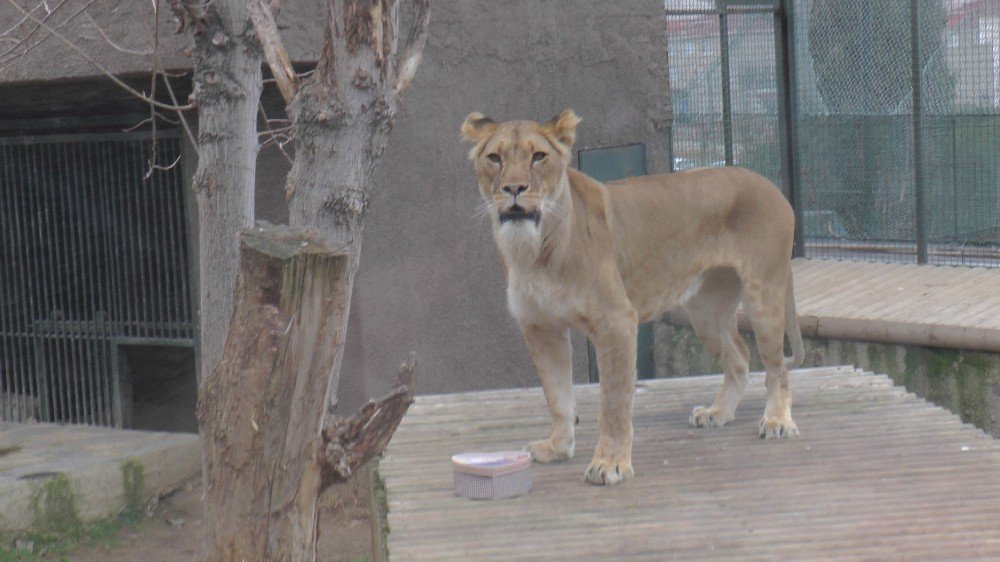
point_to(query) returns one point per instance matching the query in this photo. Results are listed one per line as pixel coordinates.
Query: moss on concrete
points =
(877, 360)
(134, 484)
(976, 376)
(54, 506)
(911, 361)
(939, 363)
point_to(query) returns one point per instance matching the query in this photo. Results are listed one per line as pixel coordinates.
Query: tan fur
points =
(602, 258)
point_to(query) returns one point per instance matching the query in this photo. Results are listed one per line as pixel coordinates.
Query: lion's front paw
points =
(544, 451)
(777, 427)
(708, 417)
(608, 470)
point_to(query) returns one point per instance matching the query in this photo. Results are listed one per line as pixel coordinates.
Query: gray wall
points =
(430, 278)
(131, 24)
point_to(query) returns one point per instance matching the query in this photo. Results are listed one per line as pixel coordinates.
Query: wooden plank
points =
(986, 290)
(876, 474)
(858, 281)
(987, 315)
(964, 289)
(918, 305)
(819, 288)
(942, 306)
(883, 284)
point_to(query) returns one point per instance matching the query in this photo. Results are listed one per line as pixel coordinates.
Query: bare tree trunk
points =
(343, 117)
(227, 86)
(269, 447)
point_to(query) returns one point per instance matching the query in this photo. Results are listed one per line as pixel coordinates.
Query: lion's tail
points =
(792, 328)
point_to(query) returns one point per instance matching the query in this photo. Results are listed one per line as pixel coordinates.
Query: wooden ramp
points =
(938, 306)
(877, 474)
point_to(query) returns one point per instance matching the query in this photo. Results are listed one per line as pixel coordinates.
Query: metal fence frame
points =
(789, 119)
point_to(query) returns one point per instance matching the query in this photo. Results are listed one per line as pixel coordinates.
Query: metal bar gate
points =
(94, 256)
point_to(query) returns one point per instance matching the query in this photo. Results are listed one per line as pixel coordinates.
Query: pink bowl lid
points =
(491, 463)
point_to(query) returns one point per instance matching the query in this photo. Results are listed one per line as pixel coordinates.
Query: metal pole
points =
(727, 109)
(918, 145)
(788, 117)
(670, 109)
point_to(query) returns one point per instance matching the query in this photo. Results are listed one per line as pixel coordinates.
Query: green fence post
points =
(608, 164)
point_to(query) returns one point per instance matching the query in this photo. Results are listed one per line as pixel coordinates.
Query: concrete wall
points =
(132, 26)
(430, 278)
(965, 382)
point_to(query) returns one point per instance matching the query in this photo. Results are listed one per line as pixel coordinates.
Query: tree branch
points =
(114, 45)
(98, 65)
(350, 443)
(157, 68)
(23, 19)
(413, 50)
(8, 56)
(180, 114)
(274, 49)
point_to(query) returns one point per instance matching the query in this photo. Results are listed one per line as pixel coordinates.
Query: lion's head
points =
(520, 165)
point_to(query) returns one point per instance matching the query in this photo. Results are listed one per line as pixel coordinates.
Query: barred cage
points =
(819, 96)
(94, 257)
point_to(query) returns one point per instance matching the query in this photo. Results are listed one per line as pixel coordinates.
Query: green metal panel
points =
(607, 164)
(613, 162)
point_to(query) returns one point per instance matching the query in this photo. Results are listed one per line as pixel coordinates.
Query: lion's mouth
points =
(518, 213)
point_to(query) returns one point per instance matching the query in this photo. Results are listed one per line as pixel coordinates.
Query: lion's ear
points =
(477, 127)
(563, 126)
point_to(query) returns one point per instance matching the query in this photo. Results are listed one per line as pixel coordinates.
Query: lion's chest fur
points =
(535, 294)
(534, 297)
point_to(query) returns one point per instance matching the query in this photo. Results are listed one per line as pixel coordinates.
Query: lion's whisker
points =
(482, 211)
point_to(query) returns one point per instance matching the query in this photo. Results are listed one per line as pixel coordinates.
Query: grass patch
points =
(49, 545)
(380, 501)
(58, 526)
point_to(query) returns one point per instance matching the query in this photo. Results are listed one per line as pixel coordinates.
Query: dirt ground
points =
(174, 533)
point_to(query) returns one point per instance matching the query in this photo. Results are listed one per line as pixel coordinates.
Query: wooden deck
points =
(939, 306)
(877, 474)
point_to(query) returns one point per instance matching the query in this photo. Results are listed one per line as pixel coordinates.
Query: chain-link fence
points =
(870, 178)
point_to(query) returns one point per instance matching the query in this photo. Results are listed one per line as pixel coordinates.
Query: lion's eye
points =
(538, 156)
(493, 157)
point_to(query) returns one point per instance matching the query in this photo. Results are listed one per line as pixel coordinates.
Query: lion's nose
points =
(515, 189)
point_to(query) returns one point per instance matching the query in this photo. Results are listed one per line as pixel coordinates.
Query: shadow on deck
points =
(877, 474)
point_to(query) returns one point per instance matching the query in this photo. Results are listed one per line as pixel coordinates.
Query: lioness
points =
(602, 258)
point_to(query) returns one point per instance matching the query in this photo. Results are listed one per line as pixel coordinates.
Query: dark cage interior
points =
(94, 252)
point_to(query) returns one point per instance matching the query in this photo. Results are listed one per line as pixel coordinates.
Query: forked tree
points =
(270, 440)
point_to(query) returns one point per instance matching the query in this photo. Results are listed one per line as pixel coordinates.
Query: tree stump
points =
(270, 440)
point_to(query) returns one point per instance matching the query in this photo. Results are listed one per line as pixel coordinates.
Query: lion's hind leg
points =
(766, 304)
(712, 312)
